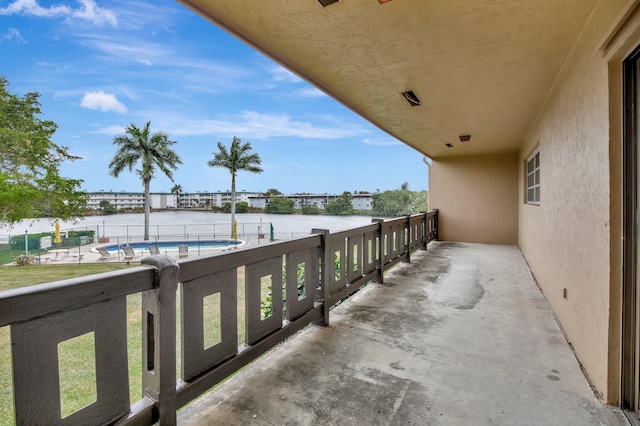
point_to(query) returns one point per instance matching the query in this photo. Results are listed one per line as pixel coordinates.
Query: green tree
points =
(310, 209)
(279, 205)
(341, 205)
(399, 202)
(107, 207)
(419, 202)
(30, 181)
(152, 150)
(272, 192)
(177, 189)
(242, 207)
(238, 157)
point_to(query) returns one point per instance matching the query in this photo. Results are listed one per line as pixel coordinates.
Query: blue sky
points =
(100, 66)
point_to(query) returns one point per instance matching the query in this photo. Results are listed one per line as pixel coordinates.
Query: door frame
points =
(629, 380)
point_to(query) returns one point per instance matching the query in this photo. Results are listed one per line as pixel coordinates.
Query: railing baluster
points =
(379, 259)
(159, 338)
(325, 259)
(406, 239)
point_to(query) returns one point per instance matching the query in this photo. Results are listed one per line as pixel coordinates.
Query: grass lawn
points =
(8, 255)
(77, 356)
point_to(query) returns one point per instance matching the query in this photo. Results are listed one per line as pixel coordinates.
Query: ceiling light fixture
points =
(327, 2)
(465, 138)
(449, 145)
(384, 1)
(411, 98)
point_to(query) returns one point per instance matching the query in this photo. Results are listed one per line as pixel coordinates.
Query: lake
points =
(194, 224)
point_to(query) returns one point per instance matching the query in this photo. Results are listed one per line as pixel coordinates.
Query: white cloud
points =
(32, 8)
(87, 11)
(111, 130)
(261, 126)
(128, 48)
(12, 34)
(103, 102)
(310, 92)
(279, 73)
(381, 141)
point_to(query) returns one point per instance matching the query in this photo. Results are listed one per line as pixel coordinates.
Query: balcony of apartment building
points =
(380, 324)
(517, 313)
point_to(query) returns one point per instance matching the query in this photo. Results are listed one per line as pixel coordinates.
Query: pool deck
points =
(88, 254)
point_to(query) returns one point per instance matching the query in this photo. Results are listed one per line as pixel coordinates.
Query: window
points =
(533, 178)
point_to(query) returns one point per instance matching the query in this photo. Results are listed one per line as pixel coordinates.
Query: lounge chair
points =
(104, 254)
(128, 253)
(154, 250)
(183, 251)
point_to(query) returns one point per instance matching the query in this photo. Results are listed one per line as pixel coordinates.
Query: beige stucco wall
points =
(567, 240)
(477, 198)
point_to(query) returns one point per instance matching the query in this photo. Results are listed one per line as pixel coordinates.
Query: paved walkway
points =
(461, 336)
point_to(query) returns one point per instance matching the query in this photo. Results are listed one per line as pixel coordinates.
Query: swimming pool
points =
(142, 247)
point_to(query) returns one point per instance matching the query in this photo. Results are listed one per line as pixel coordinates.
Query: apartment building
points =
(359, 201)
(124, 200)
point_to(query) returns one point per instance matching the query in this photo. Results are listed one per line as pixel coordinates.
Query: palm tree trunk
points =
(233, 205)
(147, 208)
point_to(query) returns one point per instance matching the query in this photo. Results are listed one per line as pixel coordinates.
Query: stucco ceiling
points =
(479, 67)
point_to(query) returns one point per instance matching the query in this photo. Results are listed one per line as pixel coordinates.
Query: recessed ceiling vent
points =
(449, 145)
(411, 98)
(325, 3)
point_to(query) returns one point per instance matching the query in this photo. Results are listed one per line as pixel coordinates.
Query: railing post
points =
(159, 338)
(324, 254)
(436, 225)
(379, 261)
(424, 234)
(407, 239)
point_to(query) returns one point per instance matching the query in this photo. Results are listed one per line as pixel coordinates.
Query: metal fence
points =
(45, 250)
(246, 230)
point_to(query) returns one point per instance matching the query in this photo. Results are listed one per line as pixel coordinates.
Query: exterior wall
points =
(476, 198)
(119, 200)
(163, 201)
(131, 200)
(567, 238)
(210, 199)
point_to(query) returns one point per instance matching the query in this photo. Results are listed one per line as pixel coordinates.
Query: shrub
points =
(279, 205)
(310, 209)
(25, 260)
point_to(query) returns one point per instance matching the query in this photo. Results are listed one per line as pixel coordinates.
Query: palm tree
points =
(237, 158)
(152, 150)
(177, 190)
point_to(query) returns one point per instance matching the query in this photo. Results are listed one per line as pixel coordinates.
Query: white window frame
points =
(532, 179)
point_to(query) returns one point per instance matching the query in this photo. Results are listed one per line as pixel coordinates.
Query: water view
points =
(194, 224)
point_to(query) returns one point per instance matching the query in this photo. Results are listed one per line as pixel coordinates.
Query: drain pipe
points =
(428, 163)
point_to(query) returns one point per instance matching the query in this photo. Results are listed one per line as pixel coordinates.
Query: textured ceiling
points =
(479, 67)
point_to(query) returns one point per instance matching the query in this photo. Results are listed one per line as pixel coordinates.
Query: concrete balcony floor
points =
(461, 336)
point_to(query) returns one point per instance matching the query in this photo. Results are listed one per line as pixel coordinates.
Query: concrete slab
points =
(461, 336)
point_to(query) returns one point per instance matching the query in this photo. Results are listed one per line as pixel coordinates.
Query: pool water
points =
(143, 246)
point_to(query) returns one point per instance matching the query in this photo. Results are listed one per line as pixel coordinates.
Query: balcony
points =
(454, 334)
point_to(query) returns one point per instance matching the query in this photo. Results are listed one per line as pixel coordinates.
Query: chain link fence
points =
(67, 247)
